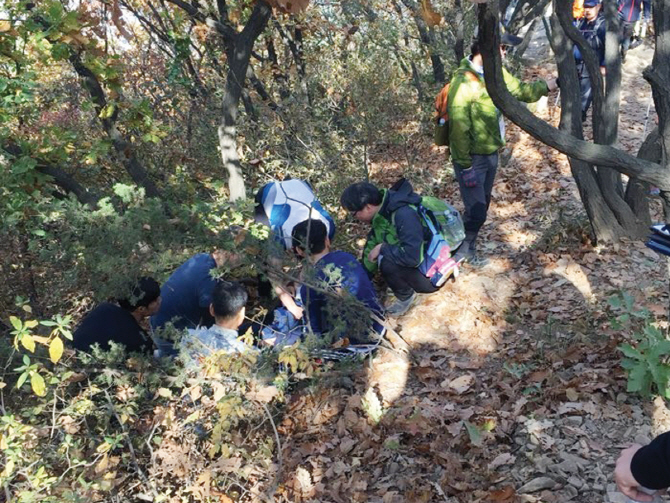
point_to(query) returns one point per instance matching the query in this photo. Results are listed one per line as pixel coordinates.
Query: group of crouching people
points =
(406, 244)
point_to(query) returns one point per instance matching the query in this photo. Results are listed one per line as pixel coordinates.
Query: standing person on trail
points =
(592, 28)
(629, 13)
(476, 133)
(639, 468)
(281, 206)
(396, 241)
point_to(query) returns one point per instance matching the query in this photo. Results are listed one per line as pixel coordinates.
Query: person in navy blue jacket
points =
(340, 274)
(644, 467)
(629, 12)
(592, 27)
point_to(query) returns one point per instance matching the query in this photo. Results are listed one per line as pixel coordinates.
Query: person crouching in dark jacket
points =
(396, 241)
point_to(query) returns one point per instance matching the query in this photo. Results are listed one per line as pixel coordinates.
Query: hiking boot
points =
(400, 307)
(477, 261)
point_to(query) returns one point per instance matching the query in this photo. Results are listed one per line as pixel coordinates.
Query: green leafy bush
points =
(647, 361)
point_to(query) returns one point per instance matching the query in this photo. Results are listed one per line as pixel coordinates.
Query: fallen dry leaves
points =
(512, 390)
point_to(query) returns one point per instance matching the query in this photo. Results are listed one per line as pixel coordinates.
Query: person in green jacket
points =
(476, 133)
(397, 240)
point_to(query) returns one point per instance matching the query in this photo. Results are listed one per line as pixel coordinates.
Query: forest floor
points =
(512, 389)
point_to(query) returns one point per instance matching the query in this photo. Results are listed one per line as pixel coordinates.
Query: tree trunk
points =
(459, 44)
(238, 52)
(603, 225)
(427, 36)
(637, 191)
(597, 203)
(525, 12)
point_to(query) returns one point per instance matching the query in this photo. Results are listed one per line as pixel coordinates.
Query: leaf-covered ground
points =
(512, 389)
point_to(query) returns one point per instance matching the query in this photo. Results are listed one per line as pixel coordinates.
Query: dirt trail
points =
(512, 390)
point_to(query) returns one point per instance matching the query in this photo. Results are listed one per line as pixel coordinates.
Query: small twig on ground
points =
(133, 457)
(441, 492)
(280, 462)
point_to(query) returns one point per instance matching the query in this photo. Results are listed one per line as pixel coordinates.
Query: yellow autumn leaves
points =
(24, 336)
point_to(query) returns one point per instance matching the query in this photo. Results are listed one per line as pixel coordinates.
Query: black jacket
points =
(399, 208)
(651, 465)
(109, 322)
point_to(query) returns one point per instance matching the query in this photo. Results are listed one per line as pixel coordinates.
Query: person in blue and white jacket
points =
(281, 206)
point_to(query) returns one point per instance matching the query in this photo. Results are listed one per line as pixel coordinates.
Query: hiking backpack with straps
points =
(441, 117)
(446, 234)
(441, 114)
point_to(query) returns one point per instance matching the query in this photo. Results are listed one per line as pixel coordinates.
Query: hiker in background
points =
(592, 28)
(120, 323)
(396, 242)
(187, 294)
(344, 278)
(228, 310)
(281, 206)
(476, 133)
(639, 468)
(629, 13)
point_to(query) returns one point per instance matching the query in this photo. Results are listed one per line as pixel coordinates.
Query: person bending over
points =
(396, 242)
(120, 323)
(340, 291)
(187, 294)
(281, 206)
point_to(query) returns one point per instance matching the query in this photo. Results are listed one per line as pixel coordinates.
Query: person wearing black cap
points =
(476, 133)
(592, 27)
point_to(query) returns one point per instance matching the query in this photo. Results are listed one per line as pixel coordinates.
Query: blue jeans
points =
(477, 199)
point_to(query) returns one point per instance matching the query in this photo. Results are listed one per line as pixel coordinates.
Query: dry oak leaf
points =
(461, 384)
(504, 495)
(290, 6)
(262, 394)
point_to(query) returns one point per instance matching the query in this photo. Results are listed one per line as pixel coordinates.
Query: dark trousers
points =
(585, 88)
(404, 281)
(627, 30)
(477, 199)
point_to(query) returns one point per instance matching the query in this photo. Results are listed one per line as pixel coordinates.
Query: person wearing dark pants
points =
(476, 133)
(592, 28)
(476, 194)
(629, 13)
(404, 281)
(396, 242)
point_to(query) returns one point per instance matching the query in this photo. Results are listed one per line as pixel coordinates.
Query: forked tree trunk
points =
(601, 191)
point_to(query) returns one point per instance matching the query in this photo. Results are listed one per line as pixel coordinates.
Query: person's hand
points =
(552, 84)
(295, 310)
(289, 303)
(624, 478)
(374, 253)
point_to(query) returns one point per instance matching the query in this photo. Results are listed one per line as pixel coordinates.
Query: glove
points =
(469, 177)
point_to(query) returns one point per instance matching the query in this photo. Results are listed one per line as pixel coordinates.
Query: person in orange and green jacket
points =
(476, 133)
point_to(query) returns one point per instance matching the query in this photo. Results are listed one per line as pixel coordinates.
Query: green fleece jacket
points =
(474, 121)
(397, 227)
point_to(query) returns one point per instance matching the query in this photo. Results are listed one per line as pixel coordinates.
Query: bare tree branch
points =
(227, 32)
(600, 155)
